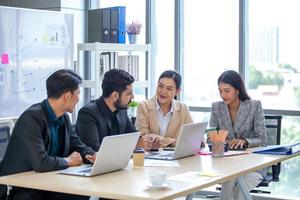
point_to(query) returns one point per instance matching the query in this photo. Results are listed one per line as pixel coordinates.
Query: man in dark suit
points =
(44, 140)
(107, 115)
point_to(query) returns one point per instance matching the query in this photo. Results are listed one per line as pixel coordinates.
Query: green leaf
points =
(133, 104)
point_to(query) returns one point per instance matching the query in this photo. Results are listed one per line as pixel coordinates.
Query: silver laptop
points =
(114, 154)
(188, 142)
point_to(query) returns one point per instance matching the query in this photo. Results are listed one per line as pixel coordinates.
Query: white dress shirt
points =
(164, 120)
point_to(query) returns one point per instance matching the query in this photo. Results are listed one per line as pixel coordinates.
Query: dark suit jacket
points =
(93, 123)
(30, 143)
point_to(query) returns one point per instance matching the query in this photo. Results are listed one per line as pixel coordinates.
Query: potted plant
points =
(132, 109)
(133, 29)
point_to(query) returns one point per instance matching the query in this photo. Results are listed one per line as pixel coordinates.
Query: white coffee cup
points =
(156, 178)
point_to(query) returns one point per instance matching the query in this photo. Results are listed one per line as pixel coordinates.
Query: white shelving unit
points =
(98, 48)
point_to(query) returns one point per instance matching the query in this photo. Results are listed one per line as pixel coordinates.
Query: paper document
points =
(193, 176)
(226, 154)
(161, 163)
(158, 163)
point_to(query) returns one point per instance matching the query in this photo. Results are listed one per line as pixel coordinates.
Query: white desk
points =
(131, 183)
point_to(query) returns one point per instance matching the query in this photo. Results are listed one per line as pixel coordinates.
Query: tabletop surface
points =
(131, 182)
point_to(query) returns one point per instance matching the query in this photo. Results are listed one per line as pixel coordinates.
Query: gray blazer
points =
(249, 124)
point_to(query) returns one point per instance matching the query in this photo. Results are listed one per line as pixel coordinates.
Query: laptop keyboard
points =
(154, 153)
(86, 170)
(161, 154)
(167, 155)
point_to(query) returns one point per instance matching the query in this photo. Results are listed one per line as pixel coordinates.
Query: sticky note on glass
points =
(4, 58)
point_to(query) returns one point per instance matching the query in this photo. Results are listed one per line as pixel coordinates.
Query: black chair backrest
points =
(273, 126)
(4, 138)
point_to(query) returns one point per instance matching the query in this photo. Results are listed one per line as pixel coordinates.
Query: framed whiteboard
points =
(33, 44)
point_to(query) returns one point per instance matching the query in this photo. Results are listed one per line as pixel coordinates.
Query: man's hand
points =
(91, 158)
(74, 159)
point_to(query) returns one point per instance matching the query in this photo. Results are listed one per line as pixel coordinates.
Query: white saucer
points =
(164, 185)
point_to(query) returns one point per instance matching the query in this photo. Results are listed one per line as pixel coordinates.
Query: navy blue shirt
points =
(54, 125)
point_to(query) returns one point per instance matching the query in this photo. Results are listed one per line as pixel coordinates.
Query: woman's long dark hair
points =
(235, 80)
(176, 77)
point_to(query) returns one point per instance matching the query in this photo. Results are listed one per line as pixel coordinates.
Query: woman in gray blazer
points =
(244, 120)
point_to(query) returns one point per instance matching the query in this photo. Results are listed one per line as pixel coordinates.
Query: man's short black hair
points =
(115, 80)
(62, 81)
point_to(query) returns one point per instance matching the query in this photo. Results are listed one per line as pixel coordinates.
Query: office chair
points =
(4, 138)
(273, 126)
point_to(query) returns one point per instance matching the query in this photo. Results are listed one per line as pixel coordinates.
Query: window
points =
(289, 178)
(274, 62)
(162, 36)
(210, 46)
(274, 67)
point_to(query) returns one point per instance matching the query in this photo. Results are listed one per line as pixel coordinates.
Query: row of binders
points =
(128, 63)
(107, 25)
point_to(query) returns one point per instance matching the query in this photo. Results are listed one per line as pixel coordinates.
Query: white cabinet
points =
(97, 48)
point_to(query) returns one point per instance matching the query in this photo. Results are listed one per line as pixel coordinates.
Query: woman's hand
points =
(237, 143)
(151, 141)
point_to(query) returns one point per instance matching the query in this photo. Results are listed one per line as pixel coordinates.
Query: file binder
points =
(118, 24)
(280, 149)
(99, 25)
